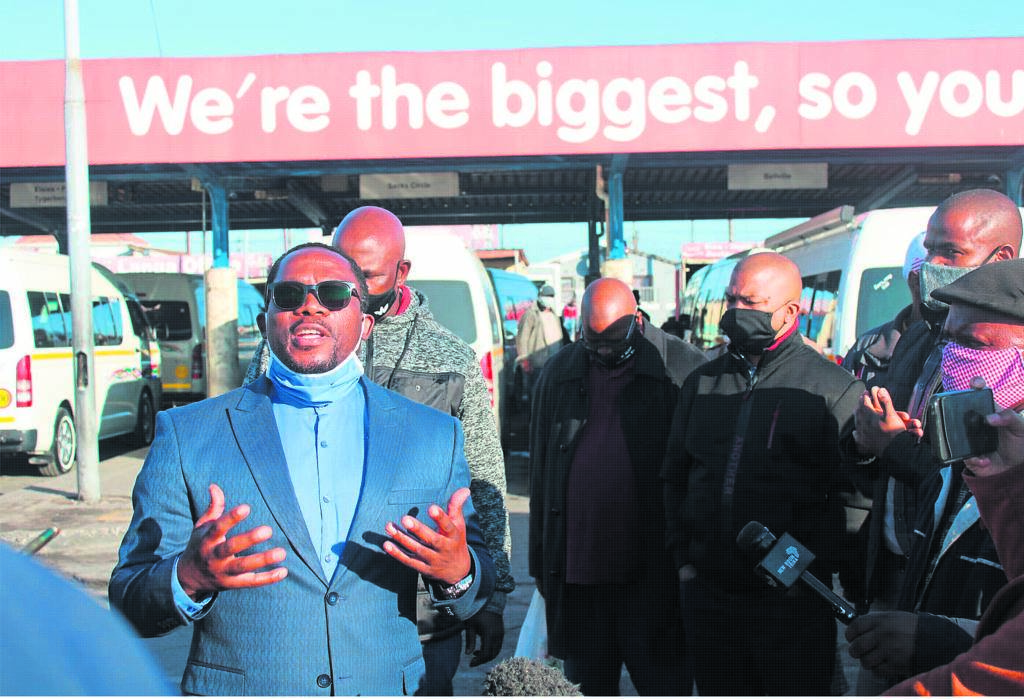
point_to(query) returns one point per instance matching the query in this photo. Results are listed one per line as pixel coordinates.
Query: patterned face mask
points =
(1003, 371)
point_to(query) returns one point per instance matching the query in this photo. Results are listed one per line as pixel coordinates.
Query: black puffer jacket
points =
(788, 470)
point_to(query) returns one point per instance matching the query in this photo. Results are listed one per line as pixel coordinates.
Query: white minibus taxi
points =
(175, 305)
(461, 297)
(37, 380)
(852, 275)
(852, 271)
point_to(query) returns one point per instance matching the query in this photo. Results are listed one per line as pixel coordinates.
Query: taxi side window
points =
(106, 321)
(138, 319)
(48, 326)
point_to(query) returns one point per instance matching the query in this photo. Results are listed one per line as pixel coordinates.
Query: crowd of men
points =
(337, 525)
(768, 433)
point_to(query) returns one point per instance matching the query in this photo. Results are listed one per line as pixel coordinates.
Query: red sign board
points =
(344, 106)
(714, 250)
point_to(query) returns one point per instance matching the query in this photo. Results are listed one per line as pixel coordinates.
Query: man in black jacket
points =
(602, 409)
(967, 230)
(953, 571)
(755, 437)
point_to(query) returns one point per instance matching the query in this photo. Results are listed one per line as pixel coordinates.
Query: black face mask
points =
(620, 352)
(379, 304)
(749, 331)
(934, 277)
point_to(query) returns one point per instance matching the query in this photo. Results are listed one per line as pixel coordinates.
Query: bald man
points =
(601, 414)
(967, 230)
(755, 437)
(411, 353)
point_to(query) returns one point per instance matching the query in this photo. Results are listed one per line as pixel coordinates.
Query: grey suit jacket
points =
(353, 634)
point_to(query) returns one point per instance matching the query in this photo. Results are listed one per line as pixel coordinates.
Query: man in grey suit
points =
(342, 479)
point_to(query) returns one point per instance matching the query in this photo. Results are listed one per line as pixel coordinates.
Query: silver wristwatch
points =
(456, 590)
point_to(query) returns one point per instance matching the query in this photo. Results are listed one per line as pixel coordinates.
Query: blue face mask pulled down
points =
(314, 390)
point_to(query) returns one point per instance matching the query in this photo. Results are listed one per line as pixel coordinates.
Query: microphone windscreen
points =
(754, 538)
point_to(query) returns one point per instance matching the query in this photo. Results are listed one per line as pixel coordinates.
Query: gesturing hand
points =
(877, 422)
(442, 554)
(211, 562)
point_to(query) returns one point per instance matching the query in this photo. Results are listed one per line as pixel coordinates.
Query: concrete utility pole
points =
(76, 174)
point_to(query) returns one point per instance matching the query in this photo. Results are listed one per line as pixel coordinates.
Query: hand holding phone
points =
(1009, 425)
(957, 427)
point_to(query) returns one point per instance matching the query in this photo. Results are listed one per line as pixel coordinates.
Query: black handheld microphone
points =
(785, 560)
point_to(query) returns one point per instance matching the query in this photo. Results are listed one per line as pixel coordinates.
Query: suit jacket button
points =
(562, 447)
(323, 681)
(332, 598)
(555, 511)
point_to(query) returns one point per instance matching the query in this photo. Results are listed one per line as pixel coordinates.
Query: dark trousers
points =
(759, 644)
(441, 658)
(612, 625)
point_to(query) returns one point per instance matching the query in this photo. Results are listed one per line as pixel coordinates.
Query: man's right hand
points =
(878, 422)
(1010, 452)
(884, 642)
(210, 562)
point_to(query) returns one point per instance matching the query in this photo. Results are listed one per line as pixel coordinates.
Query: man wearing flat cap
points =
(968, 230)
(994, 664)
(953, 570)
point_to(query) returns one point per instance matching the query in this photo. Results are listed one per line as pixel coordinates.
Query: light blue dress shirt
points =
(321, 419)
(324, 447)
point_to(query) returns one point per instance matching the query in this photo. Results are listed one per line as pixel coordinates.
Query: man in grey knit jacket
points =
(411, 353)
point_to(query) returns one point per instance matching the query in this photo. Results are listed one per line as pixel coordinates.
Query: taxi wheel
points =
(145, 422)
(65, 444)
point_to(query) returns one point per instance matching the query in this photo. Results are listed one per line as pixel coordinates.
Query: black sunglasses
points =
(614, 347)
(332, 294)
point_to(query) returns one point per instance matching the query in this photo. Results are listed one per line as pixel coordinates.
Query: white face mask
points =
(544, 301)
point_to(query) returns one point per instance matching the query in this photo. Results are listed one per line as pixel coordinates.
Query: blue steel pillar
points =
(618, 265)
(219, 215)
(616, 243)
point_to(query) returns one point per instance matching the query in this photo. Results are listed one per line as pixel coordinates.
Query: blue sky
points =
(33, 30)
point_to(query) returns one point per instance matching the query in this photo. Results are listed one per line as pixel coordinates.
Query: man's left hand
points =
(441, 555)
(884, 642)
(489, 627)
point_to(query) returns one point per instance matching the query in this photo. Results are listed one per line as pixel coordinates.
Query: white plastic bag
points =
(533, 635)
